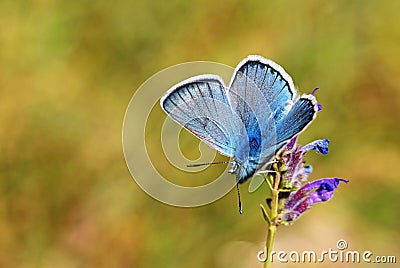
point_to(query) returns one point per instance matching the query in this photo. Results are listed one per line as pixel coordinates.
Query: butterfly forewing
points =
(261, 93)
(200, 105)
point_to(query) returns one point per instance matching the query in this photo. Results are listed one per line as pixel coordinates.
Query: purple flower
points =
(313, 192)
(320, 146)
(294, 179)
(292, 158)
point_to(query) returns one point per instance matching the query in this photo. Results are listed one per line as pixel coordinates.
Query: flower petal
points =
(291, 144)
(307, 170)
(313, 192)
(321, 146)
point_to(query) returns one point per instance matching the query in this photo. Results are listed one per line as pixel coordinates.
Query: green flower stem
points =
(272, 226)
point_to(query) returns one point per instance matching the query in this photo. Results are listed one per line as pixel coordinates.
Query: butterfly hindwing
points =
(301, 114)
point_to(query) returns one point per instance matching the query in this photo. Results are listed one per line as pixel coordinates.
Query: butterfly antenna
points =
(240, 203)
(204, 164)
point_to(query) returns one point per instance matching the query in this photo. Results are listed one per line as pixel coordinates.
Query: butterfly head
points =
(243, 170)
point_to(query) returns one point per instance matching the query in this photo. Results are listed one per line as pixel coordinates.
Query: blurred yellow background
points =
(68, 70)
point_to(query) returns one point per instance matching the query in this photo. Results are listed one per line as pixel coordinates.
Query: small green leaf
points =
(269, 178)
(265, 215)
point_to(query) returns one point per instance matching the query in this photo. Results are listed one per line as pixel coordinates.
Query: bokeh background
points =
(68, 70)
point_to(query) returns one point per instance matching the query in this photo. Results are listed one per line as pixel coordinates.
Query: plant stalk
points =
(269, 243)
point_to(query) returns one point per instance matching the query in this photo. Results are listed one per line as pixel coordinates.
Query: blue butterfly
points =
(250, 120)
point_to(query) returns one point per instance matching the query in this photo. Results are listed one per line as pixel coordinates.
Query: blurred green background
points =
(68, 70)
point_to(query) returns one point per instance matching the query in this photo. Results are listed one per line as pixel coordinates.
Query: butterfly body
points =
(250, 120)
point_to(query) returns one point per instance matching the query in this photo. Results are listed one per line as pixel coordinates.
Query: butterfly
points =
(250, 120)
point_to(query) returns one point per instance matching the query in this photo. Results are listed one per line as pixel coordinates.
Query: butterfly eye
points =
(234, 167)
